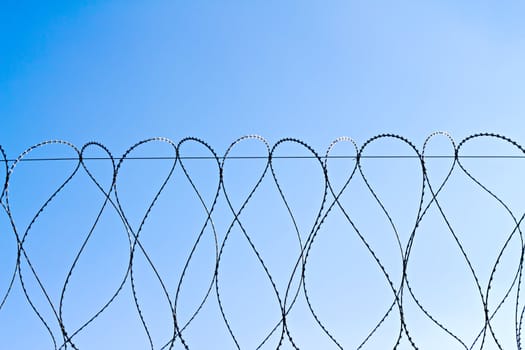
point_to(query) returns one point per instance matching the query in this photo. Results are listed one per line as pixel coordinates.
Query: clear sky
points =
(122, 71)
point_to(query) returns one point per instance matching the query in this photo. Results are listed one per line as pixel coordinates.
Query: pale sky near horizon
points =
(119, 72)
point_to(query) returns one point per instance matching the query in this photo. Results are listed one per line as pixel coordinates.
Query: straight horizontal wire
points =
(273, 157)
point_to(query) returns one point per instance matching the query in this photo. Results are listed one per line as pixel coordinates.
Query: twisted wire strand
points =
(433, 199)
(301, 260)
(22, 238)
(107, 199)
(4, 189)
(236, 221)
(136, 232)
(328, 186)
(209, 220)
(489, 316)
(355, 228)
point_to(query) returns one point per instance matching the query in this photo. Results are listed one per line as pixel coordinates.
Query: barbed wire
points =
(292, 295)
(384, 156)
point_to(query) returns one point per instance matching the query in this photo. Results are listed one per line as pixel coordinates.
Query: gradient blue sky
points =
(121, 71)
(118, 71)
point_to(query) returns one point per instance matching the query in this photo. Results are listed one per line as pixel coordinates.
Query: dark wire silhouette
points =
(281, 333)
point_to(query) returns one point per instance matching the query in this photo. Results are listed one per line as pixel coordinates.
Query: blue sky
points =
(82, 71)
(121, 71)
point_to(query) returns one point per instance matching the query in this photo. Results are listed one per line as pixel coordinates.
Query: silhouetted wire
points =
(107, 199)
(489, 316)
(383, 156)
(434, 194)
(63, 336)
(236, 221)
(209, 220)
